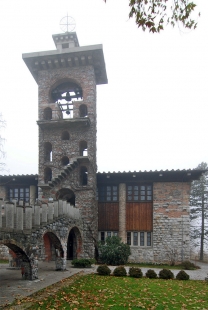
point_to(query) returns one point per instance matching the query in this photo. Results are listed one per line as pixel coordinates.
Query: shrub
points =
(151, 274)
(103, 270)
(166, 274)
(182, 275)
(119, 271)
(114, 252)
(81, 263)
(135, 272)
(187, 265)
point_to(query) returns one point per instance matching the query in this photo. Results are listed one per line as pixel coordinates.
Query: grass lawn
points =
(100, 292)
(4, 261)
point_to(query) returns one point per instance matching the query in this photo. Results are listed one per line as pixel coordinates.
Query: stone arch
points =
(74, 243)
(65, 135)
(47, 114)
(66, 194)
(21, 259)
(53, 249)
(65, 89)
(83, 110)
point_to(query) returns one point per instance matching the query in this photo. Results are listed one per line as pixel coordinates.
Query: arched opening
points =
(83, 148)
(65, 161)
(21, 260)
(48, 151)
(64, 94)
(83, 175)
(47, 175)
(74, 244)
(65, 135)
(47, 114)
(82, 110)
(66, 194)
(53, 247)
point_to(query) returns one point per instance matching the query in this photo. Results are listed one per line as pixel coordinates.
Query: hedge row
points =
(136, 272)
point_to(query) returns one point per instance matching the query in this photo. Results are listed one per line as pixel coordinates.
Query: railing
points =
(14, 215)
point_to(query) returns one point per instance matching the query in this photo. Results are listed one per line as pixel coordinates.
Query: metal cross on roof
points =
(67, 24)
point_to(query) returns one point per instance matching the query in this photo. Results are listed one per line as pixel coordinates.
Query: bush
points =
(119, 271)
(135, 272)
(103, 270)
(114, 252)
(187, 265)
(82, 263)
(166, 274)
(151, 274)
(182, 275)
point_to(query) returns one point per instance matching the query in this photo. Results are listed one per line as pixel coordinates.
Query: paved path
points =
(12, 285)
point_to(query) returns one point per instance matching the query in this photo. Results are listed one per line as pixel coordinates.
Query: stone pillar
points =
(37, 215)
(122, 212)
(44, 213)
(64, 207)
(50, 211)
(9, 215)
(60, 263)
(21, 202)
(19, 218)
(15, 205)
(55, 209)
(1, 204)
(32, 194)
(60, 207)
(28, 217)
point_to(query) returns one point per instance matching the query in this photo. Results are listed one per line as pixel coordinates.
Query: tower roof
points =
(68, 53)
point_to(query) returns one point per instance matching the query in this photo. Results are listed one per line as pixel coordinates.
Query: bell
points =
(67, 112)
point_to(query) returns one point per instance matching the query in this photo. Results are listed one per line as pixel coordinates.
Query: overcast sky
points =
(152, 114)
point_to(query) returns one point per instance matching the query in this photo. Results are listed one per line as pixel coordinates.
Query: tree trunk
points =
(202, 232)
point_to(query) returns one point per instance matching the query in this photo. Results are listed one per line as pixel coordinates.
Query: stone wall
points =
(171, 241)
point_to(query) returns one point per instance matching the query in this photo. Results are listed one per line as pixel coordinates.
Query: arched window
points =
(47, 115)
(82, 110)
(65, 161)
(83, 175)
(65, 135)
(47, 174)
(83, 148)
(47, 151)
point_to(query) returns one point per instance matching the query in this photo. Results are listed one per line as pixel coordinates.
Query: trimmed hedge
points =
(166, 274)
(182, 275)
(82, 262)
(151, 274)
(103, 270)
(135, 272)
(120, 271)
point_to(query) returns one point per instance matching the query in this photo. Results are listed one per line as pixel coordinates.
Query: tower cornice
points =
(69, 57)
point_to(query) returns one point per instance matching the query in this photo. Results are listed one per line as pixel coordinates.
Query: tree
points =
(155, 14)
(199, 209)
(2, 140)
(114, 252)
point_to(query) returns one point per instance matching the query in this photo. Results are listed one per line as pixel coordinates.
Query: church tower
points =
(67, 79)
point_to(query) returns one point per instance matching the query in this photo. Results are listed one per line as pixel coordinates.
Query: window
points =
(65, 45)
(102, 235)
(47, 151)
(139, 193)
(108, 193)
(142, 238)
(128, 238)
(83, 175)
(65, 135)
(65, 161)
(22, 193)
(47, 175)
(83, 148)
(47, 114)
(135, 238)
(83, 110)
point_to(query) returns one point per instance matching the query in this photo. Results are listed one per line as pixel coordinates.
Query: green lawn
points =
(99, 292)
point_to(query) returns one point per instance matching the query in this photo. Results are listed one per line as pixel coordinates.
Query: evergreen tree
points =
(199, 209)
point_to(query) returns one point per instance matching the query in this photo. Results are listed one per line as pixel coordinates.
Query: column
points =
(32, 194)
(28, 217)
(44, 213)
(50, 211)
(37, 215)
(55, 209)
(19, 217)
(9, 215)
(122, 212)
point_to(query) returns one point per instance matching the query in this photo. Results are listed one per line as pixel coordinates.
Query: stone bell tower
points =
(67, 79)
